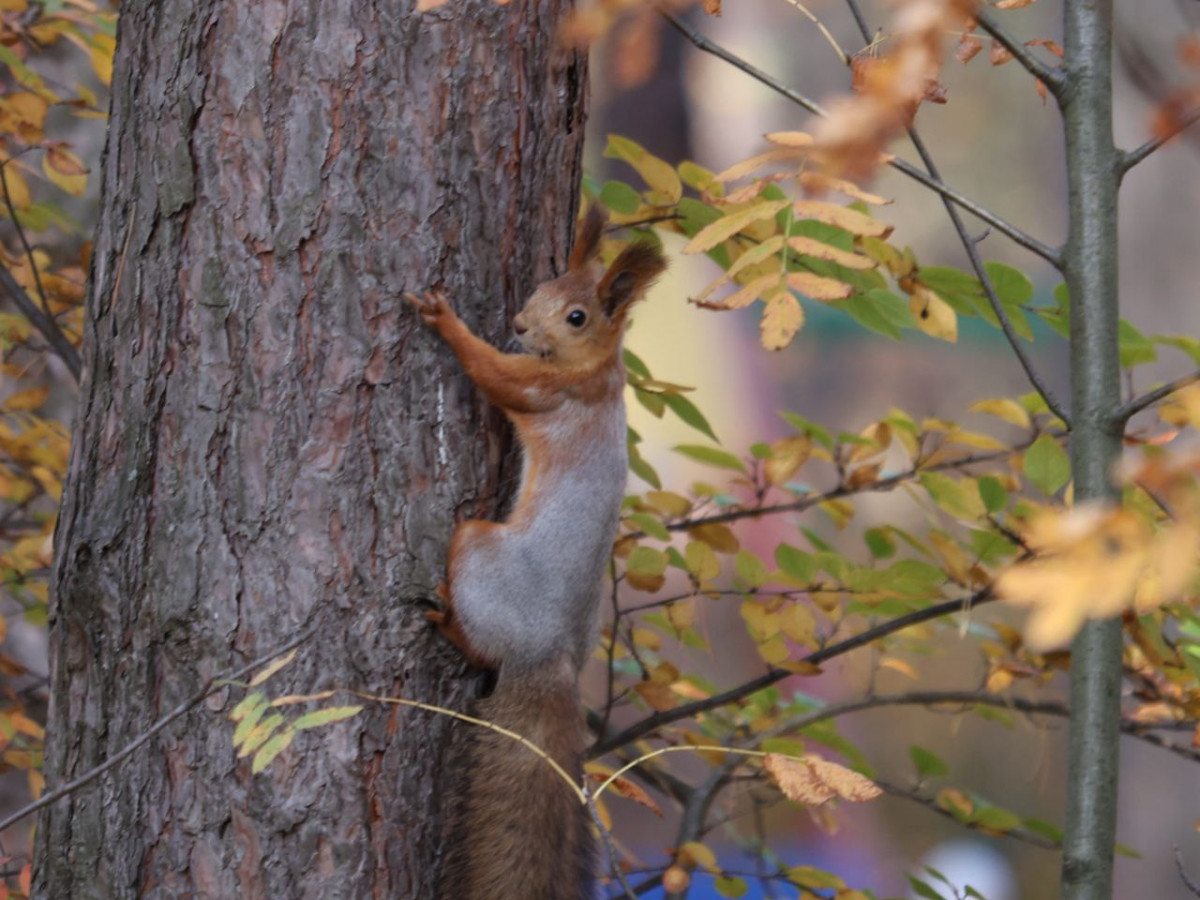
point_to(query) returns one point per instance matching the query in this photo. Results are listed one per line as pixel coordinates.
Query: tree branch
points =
(1131, 158)
(869, 635)
(46, 326)
(1020, 237)
(1050, 76)
(210, 686)
(842, 490)
(1126, 412)
(1183, 875)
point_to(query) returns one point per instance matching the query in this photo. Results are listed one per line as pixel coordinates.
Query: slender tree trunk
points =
(1091, 270)
(267, 440)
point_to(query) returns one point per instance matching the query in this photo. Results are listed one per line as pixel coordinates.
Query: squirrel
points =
(521, 596)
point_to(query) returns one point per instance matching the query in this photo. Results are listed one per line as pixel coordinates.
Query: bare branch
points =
(1050, 76)
(210, 686)
(46, 326)
(1126, 412)
(1183, 875)
(1132, 157)
(1020, 237)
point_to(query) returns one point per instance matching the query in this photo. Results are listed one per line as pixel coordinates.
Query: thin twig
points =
(12, 214)
(970, 245)
(1016, 834)
(1127, 411)
(869, 635)
(45, 326)
(217, 682)
(842, 490)
(1133, 157)
(609, 848)
(1050, 76)
(1183, 875)
(702, 43)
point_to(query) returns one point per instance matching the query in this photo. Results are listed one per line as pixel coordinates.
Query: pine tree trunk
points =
(267, 440)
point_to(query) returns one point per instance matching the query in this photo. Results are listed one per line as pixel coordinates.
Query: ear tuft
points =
(628, 278)
(587, 241)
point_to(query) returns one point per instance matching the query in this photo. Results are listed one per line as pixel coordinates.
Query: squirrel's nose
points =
(519, 327)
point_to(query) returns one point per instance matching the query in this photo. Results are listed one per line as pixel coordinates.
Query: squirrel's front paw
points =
(432, 306)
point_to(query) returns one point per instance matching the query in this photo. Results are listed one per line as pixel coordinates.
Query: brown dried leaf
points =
(968, 48)
(998, 55)
(625, 788)
(813, 780)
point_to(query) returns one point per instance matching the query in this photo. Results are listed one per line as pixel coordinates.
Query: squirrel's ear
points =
(628, 278)
(587, 242)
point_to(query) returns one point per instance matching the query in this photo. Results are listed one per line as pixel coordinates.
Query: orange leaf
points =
(847, 219)
(998, 56)
(968, 48)
(630, 791)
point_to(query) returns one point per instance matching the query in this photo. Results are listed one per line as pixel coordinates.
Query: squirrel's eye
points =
(576, 318)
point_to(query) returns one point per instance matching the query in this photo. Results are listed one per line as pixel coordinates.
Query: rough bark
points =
(267, 439)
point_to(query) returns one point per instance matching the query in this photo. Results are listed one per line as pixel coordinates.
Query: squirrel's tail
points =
(518, 831)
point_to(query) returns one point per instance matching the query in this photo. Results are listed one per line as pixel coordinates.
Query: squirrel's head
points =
(579, 318)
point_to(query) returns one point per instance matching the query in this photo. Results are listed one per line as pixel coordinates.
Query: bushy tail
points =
(518, 831)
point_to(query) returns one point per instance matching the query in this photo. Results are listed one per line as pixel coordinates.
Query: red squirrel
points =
(521, 596)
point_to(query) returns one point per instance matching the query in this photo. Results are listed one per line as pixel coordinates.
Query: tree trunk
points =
(268, 440)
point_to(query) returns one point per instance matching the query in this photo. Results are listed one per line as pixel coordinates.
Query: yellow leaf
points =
(819, 181)
(719, 537)
(26, 401)
(746, 166)
(272, 667)
(774, 651)
(65, 169)
(1005, 409)
(818, 287)
(934, 315)
(790, 138)
(18, 189)
(701, 561)
(847, 219)
(100, 54)
(812, 247)
(746, 295)
(798, 623)
(751, 257)
(899, 665)
(787, 456)
(669, 503)
(782, 318)
(812, 780)
(693, 853)
(666, 186)
(727, 226)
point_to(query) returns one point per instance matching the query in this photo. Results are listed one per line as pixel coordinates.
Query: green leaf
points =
(796, 562)
(249, 703)
(643, 469)
(879, 542)
(687, 411)
(271, 749)
(750, 568)
(1135, 347)
(996, 819)
(1046, 465)
(250, 719)
(923, 890)
(319, 717)
(812, 429)
(259, 734)
(634, 364)
(866, 313)
(993, 493)
(711, 456)
(646, 561)
(1013, 287)
(928, 763)
(1043, 828)
(649, 524)
(730, 886)
(959, 498)
(620, 197)
(1189, 345)
(694, 176)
